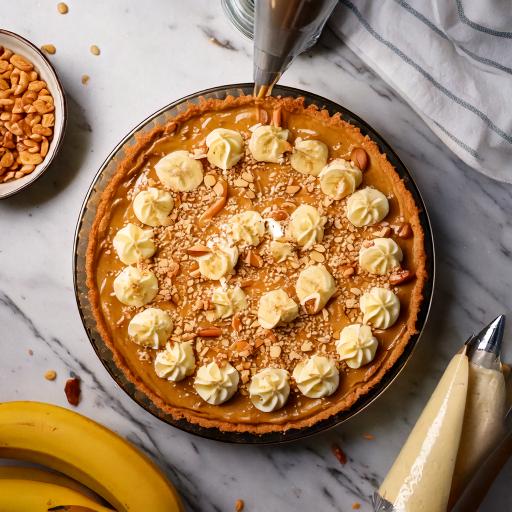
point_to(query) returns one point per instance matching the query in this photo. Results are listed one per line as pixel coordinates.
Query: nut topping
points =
(359, 158)
(209, 332)
(400, 277)
(198, 250)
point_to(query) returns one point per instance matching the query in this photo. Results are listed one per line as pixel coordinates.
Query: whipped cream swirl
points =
(176, 362)
(317, 376)
(150, 328)
(225, 148)
(269, 389)
(216, 384)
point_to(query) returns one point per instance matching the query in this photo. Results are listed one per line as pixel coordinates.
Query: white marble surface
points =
(152, 53)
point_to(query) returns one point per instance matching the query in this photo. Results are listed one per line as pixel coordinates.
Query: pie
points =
(256, 265)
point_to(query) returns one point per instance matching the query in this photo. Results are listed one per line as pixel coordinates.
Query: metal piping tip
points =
(488, 339)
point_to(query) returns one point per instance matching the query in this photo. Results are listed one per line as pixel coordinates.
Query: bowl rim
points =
(62, 97)
(365, 400)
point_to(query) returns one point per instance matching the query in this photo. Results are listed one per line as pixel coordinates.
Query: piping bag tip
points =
(489, 339)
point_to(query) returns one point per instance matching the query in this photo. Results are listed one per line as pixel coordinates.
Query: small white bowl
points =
(41, 64)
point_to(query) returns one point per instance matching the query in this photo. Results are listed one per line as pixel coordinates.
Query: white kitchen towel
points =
(451, 60)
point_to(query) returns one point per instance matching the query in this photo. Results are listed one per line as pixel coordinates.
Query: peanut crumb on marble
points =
(50, 375)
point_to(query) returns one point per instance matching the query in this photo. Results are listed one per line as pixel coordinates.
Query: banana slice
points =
(357, 345)
(225, 148)
(176, 362)
(216, 384)
(275, 308)
(269, 143)
(309, 156)
(381, 257)
(247, 227)
(227, 302)
(307, 226)
(179, 171)
(134, 244)
(380, 307)
(150, 328)
(218, 263)
(280, 251)
(317, 376)
(135, 287)
(314, 287)
(269, 389)
(153, 206)
(340, 179)
(367, 207)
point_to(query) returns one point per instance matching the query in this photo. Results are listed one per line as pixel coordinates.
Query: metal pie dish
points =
(86, 218)
(26, 49)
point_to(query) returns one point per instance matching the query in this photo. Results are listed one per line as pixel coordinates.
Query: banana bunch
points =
(83, 450)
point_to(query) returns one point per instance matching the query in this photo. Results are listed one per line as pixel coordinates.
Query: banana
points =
(135, 287)
(153, 206)
(133, 244)
(314, 287)
(219, 262)
(309, 156)
(19, 495)
(86, 451)
(225, 148)
(340, 179)
(150, 328)
(306, 226)
(40, 475)
(269, 143)
(275, 308)
(366, 207)
(179, 171)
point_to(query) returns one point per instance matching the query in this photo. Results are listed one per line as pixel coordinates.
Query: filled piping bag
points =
(467, 407)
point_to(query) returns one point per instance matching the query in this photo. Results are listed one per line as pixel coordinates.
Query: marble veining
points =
(159, 52)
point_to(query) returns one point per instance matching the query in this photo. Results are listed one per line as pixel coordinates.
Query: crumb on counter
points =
(49, 49)
(50, 375)
(339, 454)
(95, 50)
(62, 8)
(85, 79)
(369, 437)
(239, 505)
(356, 505)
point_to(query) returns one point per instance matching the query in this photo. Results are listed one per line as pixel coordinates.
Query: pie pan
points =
(42, 65)
(87, 216)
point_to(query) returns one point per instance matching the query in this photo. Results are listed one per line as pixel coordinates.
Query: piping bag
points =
(466, 409)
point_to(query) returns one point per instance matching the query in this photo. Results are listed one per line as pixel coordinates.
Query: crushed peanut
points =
(50, 375)
(62, 8)
(49, 49)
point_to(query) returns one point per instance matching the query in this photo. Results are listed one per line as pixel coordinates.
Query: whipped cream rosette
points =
(153, 207)
(225, 148)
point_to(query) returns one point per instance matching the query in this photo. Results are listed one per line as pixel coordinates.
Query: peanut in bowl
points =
(32, 113)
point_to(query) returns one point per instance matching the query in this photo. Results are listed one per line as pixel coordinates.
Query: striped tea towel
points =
(451, 60)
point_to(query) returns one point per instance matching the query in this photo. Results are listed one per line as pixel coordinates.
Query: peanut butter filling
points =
(275, 191)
